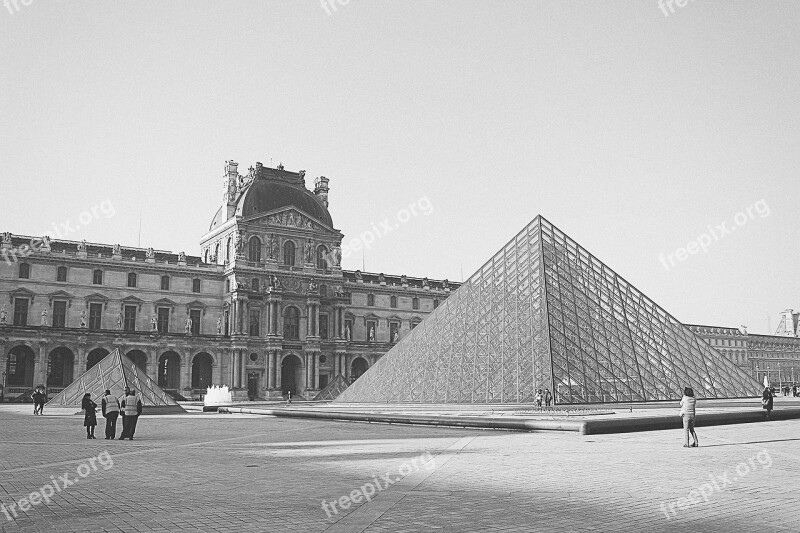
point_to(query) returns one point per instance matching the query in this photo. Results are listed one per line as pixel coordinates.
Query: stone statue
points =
(120, 320)
(347, 332)
(187, 328)
(150, 254)
(241, 236)
(46, 242)
(7, 237)
(312, 287)
(82, 246)
(182, 257)
(3, 315)
(116, 249)
(424, 282)
(302, 174)
(83, 319)
(336, 255)
(153, 323)
(44, 318)
(404, 279)
(309, 251)
(445, 284)
(273, 282)
(358, 275)
(381, 278)
(396, 336)
(372, 334)
(272, 246)
(219, 326)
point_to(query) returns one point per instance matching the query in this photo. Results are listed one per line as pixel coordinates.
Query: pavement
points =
(215, 472)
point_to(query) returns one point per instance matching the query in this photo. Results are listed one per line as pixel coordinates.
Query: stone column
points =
(246, 316)
(243, 366)
(186, 372)
(233, 368)
(308, 372)
(277, 370)
(270, 370)
(79, 365)
(40, 369)
(316, 371)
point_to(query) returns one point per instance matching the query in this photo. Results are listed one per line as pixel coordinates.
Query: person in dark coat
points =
(122, 412)
(90, 418)
(766, 401)
(35, 398)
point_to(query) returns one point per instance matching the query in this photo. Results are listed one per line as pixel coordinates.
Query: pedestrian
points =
(794, 390)
(766, 402)
(538, 398)
(548, 397)
(132, 407)
(42, 399)
(122, 413)
(110, 406)
(35, 398)
(688, 403)
(90, 418)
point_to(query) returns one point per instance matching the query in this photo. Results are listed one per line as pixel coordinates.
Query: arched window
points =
(393, 302)
(254, 249)
(322, 259)
(291, 324)
(61, 273)
(288, 253)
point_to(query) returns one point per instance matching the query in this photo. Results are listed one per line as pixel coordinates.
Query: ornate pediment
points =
(289, 218)
(60, 295)
(21, 292)
(164, 302)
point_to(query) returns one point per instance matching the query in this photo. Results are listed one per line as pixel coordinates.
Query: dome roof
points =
(268, 195)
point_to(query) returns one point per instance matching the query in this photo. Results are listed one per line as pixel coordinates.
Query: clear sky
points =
(630, 129)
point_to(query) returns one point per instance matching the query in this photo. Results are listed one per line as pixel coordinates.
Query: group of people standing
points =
(130, 408)
(547, 396)
(39, 398)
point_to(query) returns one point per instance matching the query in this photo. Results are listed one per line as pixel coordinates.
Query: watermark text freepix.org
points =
(59, 231)
(716, 484)
(368, 490)
(714, 234)
(56, 485)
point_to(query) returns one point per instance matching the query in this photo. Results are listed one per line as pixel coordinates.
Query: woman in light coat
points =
(688, 414)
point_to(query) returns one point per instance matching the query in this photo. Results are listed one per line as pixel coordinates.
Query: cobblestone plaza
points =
(246, 473)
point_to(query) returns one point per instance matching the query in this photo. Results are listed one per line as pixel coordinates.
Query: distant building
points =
(265, 308)
(776, 356)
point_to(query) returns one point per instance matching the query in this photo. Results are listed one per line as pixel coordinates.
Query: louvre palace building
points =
(265, 308)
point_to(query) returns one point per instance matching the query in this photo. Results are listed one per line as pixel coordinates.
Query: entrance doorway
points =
(252, 386)
(357, 368)
(291, 375)
(169, 371)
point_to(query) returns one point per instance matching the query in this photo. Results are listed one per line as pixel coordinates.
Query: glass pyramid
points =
(115, 372)
(333, 390)
(545, 313)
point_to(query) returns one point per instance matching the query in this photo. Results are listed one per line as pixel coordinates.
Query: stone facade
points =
(775, 356)
(265, 308)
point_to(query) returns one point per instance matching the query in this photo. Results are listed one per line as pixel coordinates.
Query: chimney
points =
(321, 189)
(231, 186)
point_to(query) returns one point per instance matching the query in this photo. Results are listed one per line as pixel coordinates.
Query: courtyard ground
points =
(213, 472)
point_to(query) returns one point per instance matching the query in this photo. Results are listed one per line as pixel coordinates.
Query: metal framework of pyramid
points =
(115, 372)
(332, 390)
(545, 313)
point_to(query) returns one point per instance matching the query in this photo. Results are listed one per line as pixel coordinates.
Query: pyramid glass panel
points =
(545, 313)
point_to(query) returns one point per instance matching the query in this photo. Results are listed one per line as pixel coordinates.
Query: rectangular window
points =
(130, 318)
(95, 315)
(394, 329)
(255, 318)
(195, 315)
(196, 285)
(61, 274)
(164, 283)
(97, 277)
(24, 271)
(323, 381)
(59, 314)
(415, 303)
(20, 311)
(323, 327)
(163, 319)
(132, 279)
